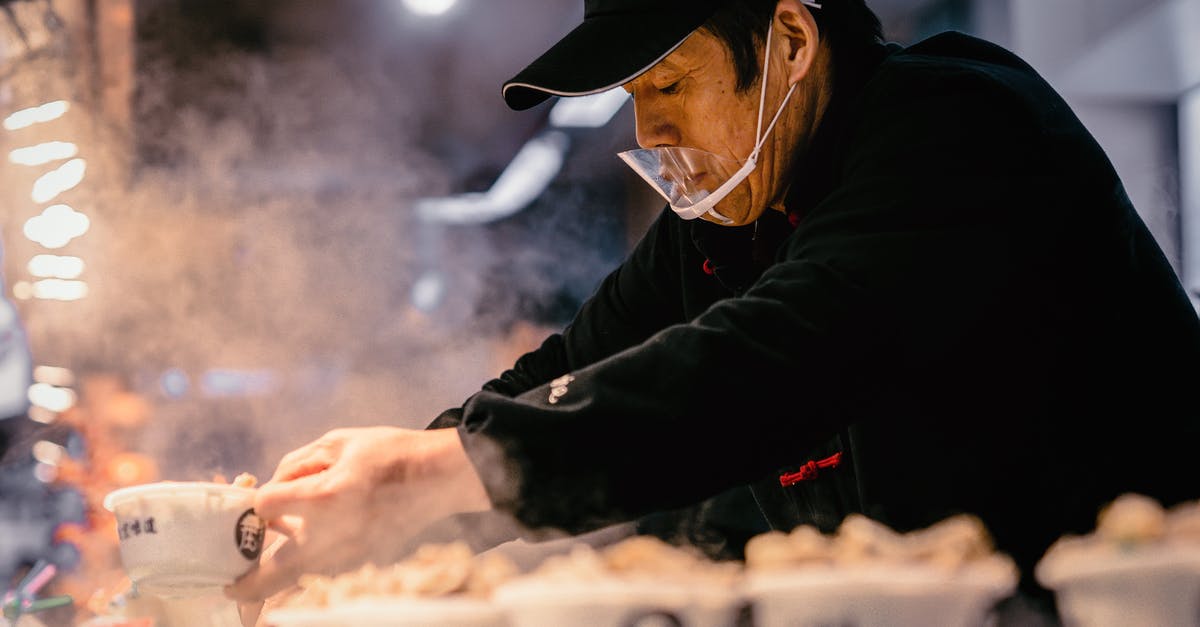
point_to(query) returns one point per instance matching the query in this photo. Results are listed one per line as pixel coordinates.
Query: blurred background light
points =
(59, 180)
(42, 415)
(48, 452)
(51, 397)
(429, 7)
(229, 382)
(45, 472)
(56, 226)
(592, 111)
(174, 383)
(22, 290)
(36, 115)
(59, 289)
(528, 175)
(43, 153)
(54, 375)
(428, 291)
(55, 266)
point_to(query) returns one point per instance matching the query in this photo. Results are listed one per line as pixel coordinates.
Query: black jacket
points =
(969, 310)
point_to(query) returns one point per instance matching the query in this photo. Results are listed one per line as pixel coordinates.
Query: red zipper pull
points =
(809, 470)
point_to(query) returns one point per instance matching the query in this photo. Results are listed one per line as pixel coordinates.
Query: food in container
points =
(869, 575)
(439, 585)
(633, 582)
(182, 539)
(1140, 567)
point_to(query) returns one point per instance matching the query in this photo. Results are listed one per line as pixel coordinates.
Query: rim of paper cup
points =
(1065, 569)
(112, 499)
(549, 591)
(906, 579)
(374, 608)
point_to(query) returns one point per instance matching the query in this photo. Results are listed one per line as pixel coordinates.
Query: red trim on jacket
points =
(808, 471)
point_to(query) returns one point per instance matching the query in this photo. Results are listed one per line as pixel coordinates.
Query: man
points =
(902, 282)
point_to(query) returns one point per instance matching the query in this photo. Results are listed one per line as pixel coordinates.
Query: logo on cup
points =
(249, 534)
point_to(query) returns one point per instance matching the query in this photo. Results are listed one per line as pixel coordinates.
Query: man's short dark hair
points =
(849, 26)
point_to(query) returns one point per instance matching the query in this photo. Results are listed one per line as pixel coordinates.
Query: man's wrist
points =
(454, 469)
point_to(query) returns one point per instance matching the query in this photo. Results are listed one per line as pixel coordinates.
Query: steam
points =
(254, 227)
(266, 226)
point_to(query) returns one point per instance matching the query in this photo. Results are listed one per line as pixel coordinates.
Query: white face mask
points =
(693, 181)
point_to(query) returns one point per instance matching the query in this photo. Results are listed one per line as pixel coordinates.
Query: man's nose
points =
(654, 128)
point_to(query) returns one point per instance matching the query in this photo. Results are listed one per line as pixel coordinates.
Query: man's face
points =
(689, 99)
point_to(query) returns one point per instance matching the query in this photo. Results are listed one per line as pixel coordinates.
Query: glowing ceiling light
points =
(45, 472)
(43, 153)
(56, 226)
(526, 177)
(53, 398)
(59, 289)
(48, 452)
(531, 170)
(42, 415)
(174, 382)
(59, 180)
(54, 375)
(219, 382)
(22, 290)
(37, 115)
(591, 111)
(428, 291)
(56, 267)
(429, 7)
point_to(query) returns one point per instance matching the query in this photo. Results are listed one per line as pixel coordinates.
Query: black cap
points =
(617, 41)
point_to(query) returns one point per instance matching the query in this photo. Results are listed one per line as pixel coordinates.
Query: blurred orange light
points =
(130, 469)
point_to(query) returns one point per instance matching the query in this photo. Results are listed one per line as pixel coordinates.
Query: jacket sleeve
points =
(631, 303)
(906, 252)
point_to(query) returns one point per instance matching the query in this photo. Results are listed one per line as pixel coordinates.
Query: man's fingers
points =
(296, 469)
(272, 575)
(249, 612)
(306, 460)
(287, 527)
(298, 497)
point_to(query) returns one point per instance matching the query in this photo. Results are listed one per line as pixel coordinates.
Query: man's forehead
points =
(698, 50)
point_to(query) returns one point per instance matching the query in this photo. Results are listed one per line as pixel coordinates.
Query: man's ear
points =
(795, 23)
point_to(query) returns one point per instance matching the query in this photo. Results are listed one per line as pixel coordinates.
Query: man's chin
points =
(736, 207)
(736, 216)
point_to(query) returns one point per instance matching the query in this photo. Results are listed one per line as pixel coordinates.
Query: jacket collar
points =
(816, 171)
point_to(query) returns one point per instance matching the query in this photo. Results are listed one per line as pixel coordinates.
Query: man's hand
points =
(356, 495)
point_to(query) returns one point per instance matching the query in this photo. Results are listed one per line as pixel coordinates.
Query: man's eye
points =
(670, 89)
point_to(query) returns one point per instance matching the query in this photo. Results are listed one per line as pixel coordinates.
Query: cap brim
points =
(603, 52)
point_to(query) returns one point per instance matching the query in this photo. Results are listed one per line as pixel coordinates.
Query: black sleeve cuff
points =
(450, 418)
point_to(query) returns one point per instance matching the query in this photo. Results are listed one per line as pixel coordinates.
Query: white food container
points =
(614, 602)
(878, 595)
(181, 539)
(393, 612)
(1104, 586)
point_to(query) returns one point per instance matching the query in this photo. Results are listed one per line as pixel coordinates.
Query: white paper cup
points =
(535, 602)
(186, 538)
(453, 612)
(1150, 585)
(877, 596)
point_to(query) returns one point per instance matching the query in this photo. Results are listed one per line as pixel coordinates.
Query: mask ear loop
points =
(760, 137)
